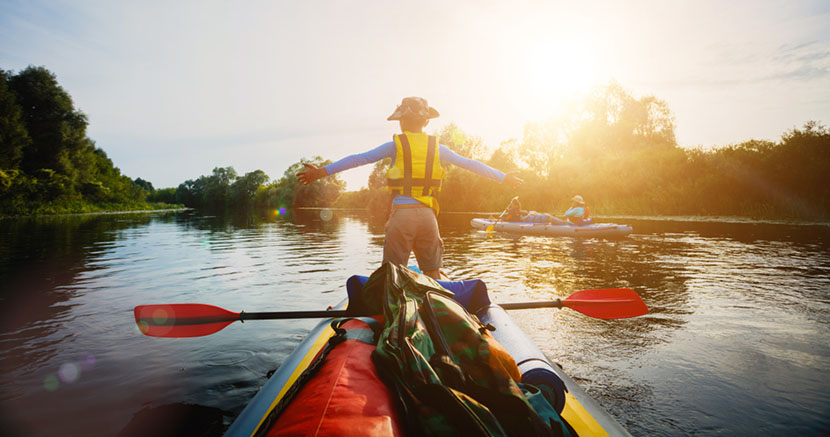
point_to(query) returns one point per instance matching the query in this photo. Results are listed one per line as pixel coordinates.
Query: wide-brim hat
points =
(578, 199)
(414, 107)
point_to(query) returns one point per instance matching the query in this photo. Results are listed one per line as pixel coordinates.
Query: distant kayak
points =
(594, 230)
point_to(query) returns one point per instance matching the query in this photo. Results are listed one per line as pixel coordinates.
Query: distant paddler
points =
(578, 212)
(414, 177)
(514, 211)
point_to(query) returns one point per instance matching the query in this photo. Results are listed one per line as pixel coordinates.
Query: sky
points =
(173, 89)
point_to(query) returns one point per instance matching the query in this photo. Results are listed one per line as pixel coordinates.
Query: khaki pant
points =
(413, 229)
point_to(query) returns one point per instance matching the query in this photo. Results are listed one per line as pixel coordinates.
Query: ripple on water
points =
(735, 340)
(226, 357)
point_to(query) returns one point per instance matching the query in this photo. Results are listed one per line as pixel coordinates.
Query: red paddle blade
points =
(607, 303)
(182, 319)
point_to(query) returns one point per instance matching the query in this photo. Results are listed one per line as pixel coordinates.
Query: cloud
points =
(805, 61)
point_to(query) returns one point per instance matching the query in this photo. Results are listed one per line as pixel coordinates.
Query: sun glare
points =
(561, 69)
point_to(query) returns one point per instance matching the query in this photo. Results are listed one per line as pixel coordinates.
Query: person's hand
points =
(512, 180)
(311, 173)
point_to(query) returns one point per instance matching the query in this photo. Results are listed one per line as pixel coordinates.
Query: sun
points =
(561, 69)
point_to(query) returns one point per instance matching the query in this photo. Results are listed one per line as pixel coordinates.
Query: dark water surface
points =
(737, 342)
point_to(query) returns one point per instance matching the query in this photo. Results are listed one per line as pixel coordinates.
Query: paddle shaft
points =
(345, 313)
(243, 316)
(528, 305)
(196, 320)
(559, 303)
(294, 315)
(320, 314)
(492, 228)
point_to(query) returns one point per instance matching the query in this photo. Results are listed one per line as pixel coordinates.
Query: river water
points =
(736, 342)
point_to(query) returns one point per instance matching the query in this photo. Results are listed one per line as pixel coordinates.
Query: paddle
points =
(196, 320)
(605, 303)
(492, 228)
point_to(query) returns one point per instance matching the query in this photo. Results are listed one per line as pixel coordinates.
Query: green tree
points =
(145, 185)
(209, 192)
(217, 188)
(801, 164)
(462, 190)
(163, 195)
(56, 128)
(13, 135)
(321, 193)
(612, 122)
(48, 162)
(459, 142)
(288, 191)
(243, 190)
(190, 192)
(379, 200)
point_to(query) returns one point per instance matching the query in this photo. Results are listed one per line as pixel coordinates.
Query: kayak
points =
(264, 414)
(594, 230)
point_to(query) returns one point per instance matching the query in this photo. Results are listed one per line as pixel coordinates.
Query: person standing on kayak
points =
(414, 177)
(578, 212)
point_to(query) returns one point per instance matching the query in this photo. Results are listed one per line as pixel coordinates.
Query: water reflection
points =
(69, 285)
(719, 294)
(739, 317)
(43, 266)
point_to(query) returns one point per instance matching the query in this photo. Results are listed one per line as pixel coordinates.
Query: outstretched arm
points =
(511, 179)
(479, 168)
(312, 172)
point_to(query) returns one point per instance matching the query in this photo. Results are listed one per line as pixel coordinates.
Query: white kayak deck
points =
(608, 230)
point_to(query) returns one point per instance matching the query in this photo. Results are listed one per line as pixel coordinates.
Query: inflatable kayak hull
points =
(599, 230)
(582, 413)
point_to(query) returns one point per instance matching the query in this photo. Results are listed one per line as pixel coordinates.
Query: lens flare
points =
(51, 383)
(87, 363)
(282, 210)
(142, 327)
(69, 372)
(326, 215)
(160, 316)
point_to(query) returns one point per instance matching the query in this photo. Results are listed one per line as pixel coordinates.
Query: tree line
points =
(617, 151)
(225, 190)
(621, 154)
(47, 163)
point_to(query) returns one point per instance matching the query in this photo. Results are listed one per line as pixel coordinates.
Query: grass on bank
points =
(80, 207)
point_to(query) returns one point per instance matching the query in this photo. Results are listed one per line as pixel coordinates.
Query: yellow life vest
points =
(417, 171)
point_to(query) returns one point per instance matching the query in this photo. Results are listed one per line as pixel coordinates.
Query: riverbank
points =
(144, 208)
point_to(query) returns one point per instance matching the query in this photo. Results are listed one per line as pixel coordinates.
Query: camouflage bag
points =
(451, 375)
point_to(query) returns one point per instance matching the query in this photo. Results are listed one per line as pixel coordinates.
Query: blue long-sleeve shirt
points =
(388, 150)
(577, 211)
